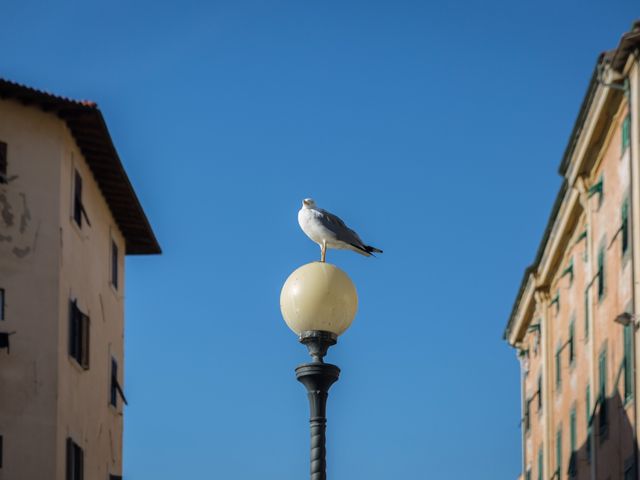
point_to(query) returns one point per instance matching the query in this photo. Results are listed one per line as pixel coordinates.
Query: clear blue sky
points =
(434, 128)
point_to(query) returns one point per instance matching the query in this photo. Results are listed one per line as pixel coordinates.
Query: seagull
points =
(329, 231)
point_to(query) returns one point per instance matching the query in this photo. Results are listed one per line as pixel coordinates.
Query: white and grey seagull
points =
(329, 231)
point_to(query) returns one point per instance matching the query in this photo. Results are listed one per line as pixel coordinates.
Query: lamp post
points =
(318, 302)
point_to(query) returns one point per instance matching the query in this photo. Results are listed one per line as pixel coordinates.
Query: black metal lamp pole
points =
(317, 377)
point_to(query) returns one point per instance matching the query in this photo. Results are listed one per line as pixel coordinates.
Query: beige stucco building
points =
(68, 215)
(579, 379)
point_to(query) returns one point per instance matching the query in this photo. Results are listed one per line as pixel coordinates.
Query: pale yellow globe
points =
(318, 296)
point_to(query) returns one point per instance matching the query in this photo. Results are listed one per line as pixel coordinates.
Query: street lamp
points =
(318, 302)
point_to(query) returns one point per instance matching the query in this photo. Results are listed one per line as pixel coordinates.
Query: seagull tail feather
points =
(371, 249)
(366, 250)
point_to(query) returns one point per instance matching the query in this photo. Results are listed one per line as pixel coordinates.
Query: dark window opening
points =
(78, 207)
(602, 392)
(3, 162)
(624, 228)
(114, 264)
(78, 335)
(539, 392)
(115, 477)
(75, 461)
(572, 352)
(115, 389)
(601, 275)
(628, 361)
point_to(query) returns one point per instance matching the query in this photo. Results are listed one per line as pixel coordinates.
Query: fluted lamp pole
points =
(318, 302)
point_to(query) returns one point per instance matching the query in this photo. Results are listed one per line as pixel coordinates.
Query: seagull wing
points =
(339, 228)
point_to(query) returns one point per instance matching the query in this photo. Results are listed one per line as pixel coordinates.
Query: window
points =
(601, 273)
(572, 352)
(78, 335)
(527, 409)
(626, 130)
(75, 461)
(540, 464)
(588, 415)
(114, 264)
(572, 439)
(586, 315)
(539, 392)
(115, 389)
(602, 391)
(3, 162)
(559, 453)
(2, 303)
(78, 208)
(624, 227)
(628, 362)
(629, 470)
(528, 474)
(559, 367)
(115, 477)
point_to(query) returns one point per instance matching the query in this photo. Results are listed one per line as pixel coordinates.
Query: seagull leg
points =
(323, 252)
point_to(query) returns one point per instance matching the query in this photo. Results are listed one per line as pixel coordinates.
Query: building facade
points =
(576, 346)
(68, 215)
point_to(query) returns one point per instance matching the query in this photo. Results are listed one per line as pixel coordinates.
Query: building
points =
(580, 374)
(68, 215)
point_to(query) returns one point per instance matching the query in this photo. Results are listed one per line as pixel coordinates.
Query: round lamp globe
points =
(318, 296)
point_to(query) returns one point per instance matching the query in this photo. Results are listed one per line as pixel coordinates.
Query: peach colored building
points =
(68, 215)
(579, 371)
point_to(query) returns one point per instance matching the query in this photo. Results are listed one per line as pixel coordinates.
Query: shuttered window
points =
(559, 453)
(628, 361)
(539, 392)
(558, 368)
(572, 351)
(602, 391)
(79, 335)
(626, 133)
(601, 273)
(114, 264)
(540, 464)
(588, 421)
(572, 440)
(79, 212)
(3, 162)
(115, 388)
(75, 461)
(624, 227)
(586, 315)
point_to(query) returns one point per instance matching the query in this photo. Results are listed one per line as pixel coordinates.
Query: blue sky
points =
(433, 128)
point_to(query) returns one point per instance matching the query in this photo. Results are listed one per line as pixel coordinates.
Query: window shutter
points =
(601, 275)
(77, 199)
(628, 370)
(624, 228)
(625, 133)
(114, 381)
(73, 329)
(114, 264)
(84, 341)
